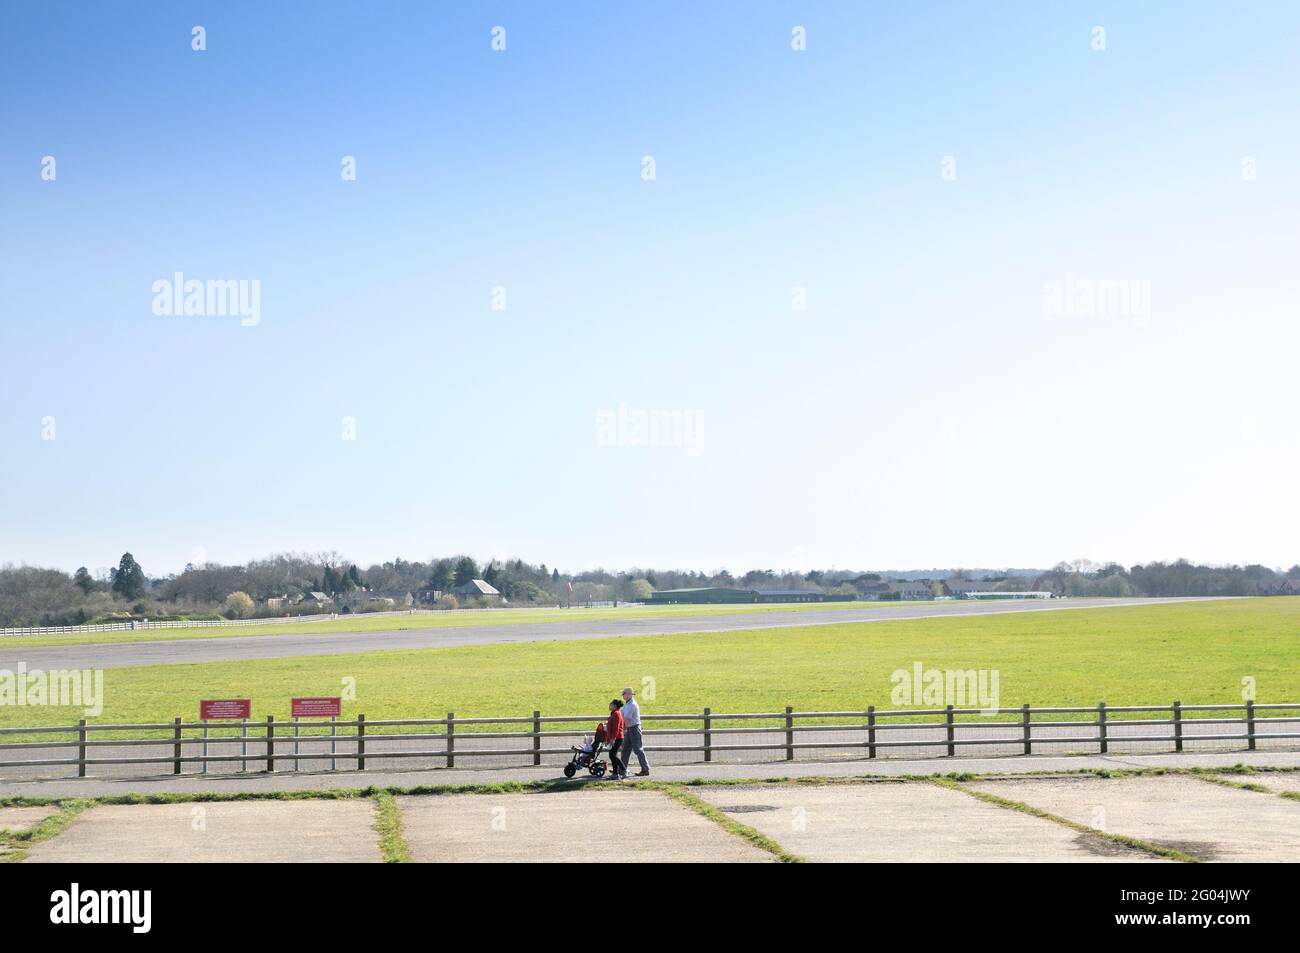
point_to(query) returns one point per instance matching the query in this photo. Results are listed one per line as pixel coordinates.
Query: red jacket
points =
(614, 727)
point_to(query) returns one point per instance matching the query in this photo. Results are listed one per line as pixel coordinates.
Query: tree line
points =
(33, 596)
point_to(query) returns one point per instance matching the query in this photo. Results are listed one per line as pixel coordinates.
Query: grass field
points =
(431, 619)
(1195, 652)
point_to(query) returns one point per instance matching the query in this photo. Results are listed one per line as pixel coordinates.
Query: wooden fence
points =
(269, 743)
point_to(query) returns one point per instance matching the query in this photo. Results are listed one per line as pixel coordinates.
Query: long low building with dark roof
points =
(722, 594)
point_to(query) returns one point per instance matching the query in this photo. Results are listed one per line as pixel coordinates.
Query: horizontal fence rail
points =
(271, 745)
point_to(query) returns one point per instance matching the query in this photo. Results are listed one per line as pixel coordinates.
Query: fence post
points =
(451, 739)
(537, 737)
(176, 746)
(871, 731)
(1101, 727)
(708, 734)
(952, 749)
(270, 742)
(81, 748)
(1178, 726)
(789, 733)
(361, 742)
(1250, 725)
(1024, 720)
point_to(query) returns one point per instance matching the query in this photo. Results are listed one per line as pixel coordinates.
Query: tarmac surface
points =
(1210, 822)
(912, 823)
(605, 824)
(287, 645)
(854, 820)
(218, 832)
(19, 819)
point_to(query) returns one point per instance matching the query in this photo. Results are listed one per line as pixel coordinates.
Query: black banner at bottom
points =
(140, 903)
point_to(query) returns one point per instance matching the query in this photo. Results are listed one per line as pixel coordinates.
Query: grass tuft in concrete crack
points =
(729, 824)
(20, 842)
(388, 823)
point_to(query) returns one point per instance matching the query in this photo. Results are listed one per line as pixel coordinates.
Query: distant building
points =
(475, 589)
(277, 602)
(375, 599)
(701, 595)
(958, 588)
(706, 595)
(873, 590)
(912, 590)
(987, 589)
(899, 590)
(1021, 594)
(790, 595)
(317, 599)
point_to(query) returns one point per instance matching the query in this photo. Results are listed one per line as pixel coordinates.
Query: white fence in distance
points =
(205, 623)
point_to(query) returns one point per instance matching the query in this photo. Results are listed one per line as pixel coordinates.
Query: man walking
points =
(632, 733)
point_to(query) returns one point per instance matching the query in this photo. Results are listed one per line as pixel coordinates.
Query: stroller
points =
(587, 756)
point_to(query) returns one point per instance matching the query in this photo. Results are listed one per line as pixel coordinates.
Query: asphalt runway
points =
(246, 648)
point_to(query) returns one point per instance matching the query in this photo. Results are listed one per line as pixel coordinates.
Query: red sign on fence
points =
(224, 709)
(316, 707)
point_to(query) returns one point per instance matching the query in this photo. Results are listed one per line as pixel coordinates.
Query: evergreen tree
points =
(128, 578)
(466, 570)
(84, 580)
(442, 577)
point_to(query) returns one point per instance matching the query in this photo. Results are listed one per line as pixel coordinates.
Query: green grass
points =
(1229, 783)
(388, 824)
(19, 842)
(433, 619)
(1196, 652)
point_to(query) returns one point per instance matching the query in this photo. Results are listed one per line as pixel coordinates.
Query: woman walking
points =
(614, 738)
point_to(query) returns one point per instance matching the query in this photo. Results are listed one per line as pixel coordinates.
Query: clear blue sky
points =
(926, 409)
